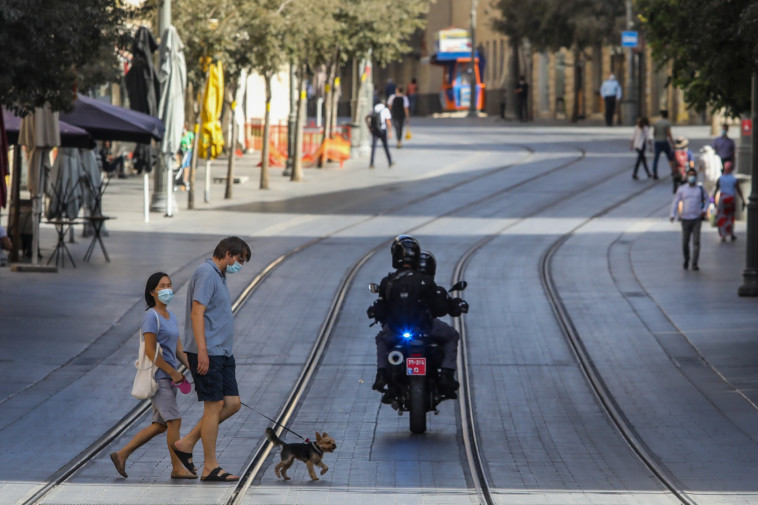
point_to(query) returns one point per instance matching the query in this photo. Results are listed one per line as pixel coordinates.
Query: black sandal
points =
(218, 475)
(185, 458)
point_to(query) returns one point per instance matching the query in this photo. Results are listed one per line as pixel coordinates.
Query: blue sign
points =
(629, 39)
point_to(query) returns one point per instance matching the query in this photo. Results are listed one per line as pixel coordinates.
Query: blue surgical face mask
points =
(723, 132)
(692, 179)
(165, 295)
(233, 269)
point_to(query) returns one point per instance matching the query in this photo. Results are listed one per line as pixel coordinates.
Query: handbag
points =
(145, 386)
(408, 135)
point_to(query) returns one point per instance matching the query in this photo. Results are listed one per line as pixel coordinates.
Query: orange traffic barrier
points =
(334, 149)
(276, 157)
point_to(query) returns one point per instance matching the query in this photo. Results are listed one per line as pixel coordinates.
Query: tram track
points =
(589, 370)
(250, 471)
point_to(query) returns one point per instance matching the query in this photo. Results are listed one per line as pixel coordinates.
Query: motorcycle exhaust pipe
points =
(395, 358)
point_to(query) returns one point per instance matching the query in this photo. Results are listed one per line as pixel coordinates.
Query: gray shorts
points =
(165, 407)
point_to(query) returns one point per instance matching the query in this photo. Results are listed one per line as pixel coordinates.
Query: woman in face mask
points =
(160, 327)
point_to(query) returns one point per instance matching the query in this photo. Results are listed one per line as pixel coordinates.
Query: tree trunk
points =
(336, 95)
(328, 119)
(577, 90)
(297, 166)
(266, 133)
(232, 141)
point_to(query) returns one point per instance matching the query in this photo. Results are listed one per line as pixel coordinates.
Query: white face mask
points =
(692, 180)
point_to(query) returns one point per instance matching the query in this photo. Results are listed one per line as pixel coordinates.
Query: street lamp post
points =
(473, 94)
(629, 103)
(750, 274)
(159, 201)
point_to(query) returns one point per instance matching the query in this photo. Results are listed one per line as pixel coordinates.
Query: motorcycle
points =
(414, 371)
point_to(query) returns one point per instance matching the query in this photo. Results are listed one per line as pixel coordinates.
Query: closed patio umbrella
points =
(173, 79)
(40, 133)
(211, 140)
(144, 89)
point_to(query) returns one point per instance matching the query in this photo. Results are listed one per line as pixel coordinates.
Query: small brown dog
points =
(309, 453)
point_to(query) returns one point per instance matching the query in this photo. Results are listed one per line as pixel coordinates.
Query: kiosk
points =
(453, 54)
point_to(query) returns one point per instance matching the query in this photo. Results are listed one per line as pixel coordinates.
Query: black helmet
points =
(427, 264)
(405, 249)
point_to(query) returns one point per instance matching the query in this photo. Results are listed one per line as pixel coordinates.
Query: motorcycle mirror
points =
(373, 287)
(459, 286)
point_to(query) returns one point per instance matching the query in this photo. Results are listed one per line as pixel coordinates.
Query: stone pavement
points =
(53, 326)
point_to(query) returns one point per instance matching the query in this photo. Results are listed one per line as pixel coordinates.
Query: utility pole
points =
(163, 168)
(629, 107)
(473, 95)
(750, 274)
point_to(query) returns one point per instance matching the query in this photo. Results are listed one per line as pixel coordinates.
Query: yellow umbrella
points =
(212, 137)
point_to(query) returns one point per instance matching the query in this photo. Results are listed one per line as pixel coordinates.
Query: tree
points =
(48, 50)
(266, 26)
(712, 47)
(550, 25)
(211, 31)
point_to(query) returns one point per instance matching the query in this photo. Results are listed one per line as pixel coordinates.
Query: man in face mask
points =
(724, 146)
(693, 200)
(208, 339)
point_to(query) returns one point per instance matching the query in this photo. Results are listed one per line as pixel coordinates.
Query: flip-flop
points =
(217, 475)
(118, 464)
(194, 476)
(185, 458)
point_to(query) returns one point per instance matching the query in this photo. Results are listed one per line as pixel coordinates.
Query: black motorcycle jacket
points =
(406, 300)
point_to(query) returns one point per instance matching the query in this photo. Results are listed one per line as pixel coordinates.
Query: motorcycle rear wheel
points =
(417, 404)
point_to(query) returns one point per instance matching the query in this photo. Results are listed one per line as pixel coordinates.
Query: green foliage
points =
(553, 24)
(384, 26)
(210, 29)
(711, 45)
(50, 49)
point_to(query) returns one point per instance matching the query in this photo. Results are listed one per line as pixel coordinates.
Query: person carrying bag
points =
(158, 378)
(145, 385)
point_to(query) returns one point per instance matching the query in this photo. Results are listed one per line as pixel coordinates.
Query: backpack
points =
(682, 161)
(398, 107)
(375, 123)
(406, 293)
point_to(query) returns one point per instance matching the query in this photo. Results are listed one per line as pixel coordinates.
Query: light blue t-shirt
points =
(208, 287)
(167, 335)
(728, 184)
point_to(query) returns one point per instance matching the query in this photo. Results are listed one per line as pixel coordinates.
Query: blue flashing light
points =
(407, 334)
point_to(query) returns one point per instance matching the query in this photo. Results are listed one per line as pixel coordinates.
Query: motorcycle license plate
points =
(415, 366)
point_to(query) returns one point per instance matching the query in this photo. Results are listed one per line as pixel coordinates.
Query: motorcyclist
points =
(433, 302)
(442, 332)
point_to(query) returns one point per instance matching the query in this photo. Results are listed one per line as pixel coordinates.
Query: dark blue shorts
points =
(218, 382)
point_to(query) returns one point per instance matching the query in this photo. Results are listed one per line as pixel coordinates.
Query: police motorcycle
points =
(414, 375)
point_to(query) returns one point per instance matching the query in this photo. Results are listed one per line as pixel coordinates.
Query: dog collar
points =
(317, 448)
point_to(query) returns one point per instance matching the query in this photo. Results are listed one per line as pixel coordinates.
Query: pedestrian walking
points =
(640, 140)
(522, 95)
(389, 88)
(209, 342)
(724, 146)
(683, 161)
(399, 104)
(610, 90)
(379, 124)
(727, 189)
(411, 92)
(662, 141)
(160, 328)
(693, 200)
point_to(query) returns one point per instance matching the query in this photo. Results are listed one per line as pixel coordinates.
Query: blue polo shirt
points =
(208, 287)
